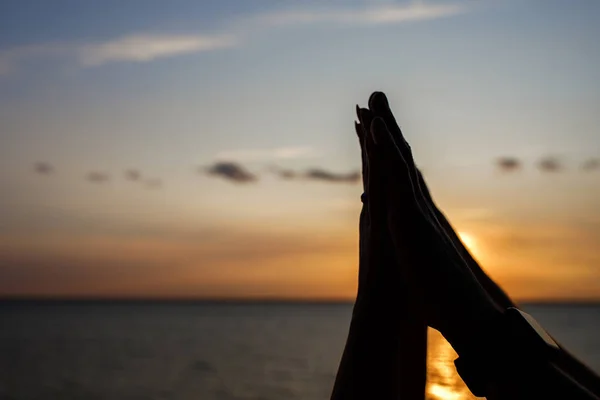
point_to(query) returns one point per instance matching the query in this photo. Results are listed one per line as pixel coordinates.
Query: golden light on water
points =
(442, 392)
(443, 382)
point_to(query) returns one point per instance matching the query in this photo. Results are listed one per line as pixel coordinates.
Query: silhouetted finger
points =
(363, 156)
(398, 181)
(376, 181)
(365, 117)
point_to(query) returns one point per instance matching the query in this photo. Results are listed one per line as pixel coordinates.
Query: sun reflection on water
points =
(443, 382)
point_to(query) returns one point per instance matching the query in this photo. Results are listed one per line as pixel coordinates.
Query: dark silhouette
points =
(415, 272)
(231, 171)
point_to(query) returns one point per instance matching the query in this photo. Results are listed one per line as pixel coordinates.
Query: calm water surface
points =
(208, 351)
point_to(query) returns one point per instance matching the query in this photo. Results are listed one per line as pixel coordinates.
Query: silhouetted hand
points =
(443, 285)
(386, 350)
(439, 279)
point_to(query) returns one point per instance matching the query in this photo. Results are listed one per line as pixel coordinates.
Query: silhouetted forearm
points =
(384, 357)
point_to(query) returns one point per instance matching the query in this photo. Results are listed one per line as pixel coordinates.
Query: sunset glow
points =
(207, 149)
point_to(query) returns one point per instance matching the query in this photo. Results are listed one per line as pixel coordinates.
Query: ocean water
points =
(213, 351)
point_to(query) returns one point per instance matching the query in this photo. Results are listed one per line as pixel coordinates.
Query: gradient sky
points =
(170, 88)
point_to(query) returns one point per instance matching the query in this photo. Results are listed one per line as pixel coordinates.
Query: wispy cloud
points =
(367, 15)
(141, 48)
(145, 47)
(317, 174)
(132, 48)
(292, 152)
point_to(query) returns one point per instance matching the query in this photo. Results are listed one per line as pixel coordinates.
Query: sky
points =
(189, 149)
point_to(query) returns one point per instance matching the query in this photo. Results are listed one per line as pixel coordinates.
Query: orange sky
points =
(173, 92)
(532, 261)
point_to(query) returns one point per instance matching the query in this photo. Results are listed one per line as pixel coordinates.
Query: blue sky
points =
(166, 88)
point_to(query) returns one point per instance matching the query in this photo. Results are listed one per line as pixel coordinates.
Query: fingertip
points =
(378, 102)
(359, 130)
(364, 114)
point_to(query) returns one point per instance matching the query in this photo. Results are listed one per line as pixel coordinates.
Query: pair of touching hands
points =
(415, 272)
(409, 252)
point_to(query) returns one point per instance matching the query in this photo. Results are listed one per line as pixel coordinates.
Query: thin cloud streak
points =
(317, 174)
(379, 15)
(145, 47)
(141, 48)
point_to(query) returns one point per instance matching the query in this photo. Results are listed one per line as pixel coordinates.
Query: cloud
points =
(550, 164)
(371, 15)
(322, 175)
(231, 171)
(508, 164)
(97, 177)
(149, 47)
(591, 164)
(43, 168)
(133, 175)
(291, 152)
(317, 174)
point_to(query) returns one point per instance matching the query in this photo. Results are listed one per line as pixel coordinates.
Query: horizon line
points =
(243, 300)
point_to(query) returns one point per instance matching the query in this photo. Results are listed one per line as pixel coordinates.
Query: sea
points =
(208, 350)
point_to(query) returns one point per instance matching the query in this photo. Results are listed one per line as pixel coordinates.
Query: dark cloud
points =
(43, 168)
(231, 171)
(591, 164)
(97, 177)
(508, 164)
(317, 174)
(133, 175)
(327, 176)
(153, 183)
(550, 164)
